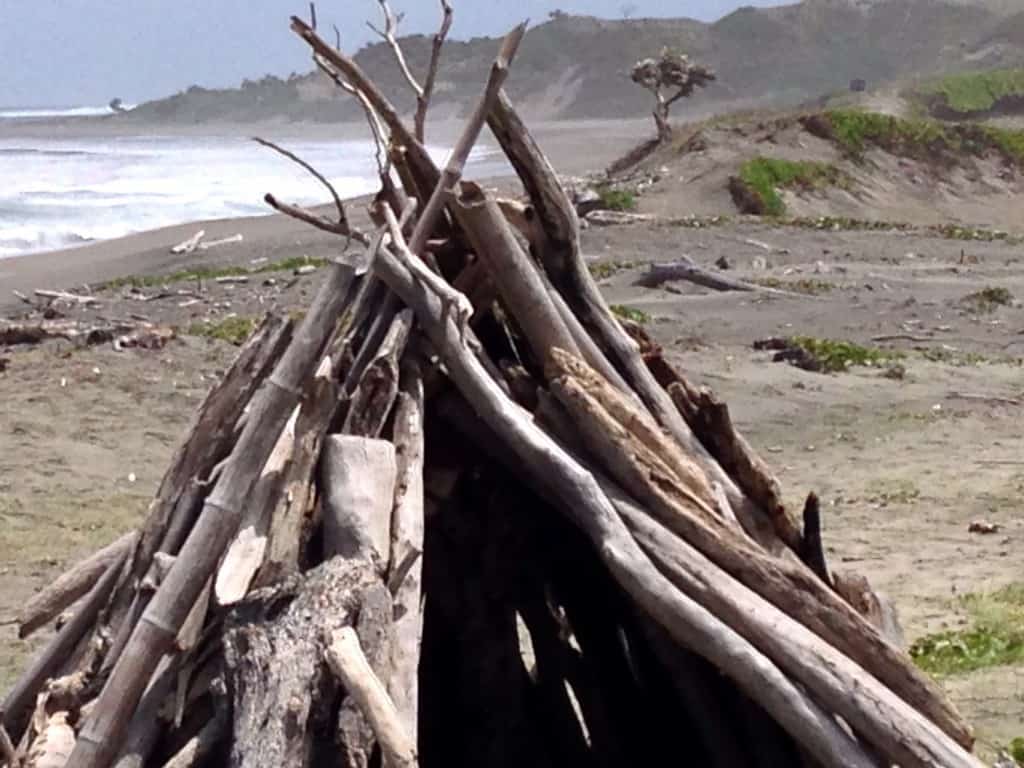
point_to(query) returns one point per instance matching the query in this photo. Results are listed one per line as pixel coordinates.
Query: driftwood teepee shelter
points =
(459, 514)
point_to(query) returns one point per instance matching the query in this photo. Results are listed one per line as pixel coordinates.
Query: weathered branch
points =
(684, 268)
(437, 44)
(71, 585)
(315, 220)
(342, 216)
(388, 34)
(346, 659)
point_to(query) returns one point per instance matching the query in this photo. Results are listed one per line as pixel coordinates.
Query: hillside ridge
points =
(574, 67)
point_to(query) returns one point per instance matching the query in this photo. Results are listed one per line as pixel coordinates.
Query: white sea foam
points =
(61, 192)
(21, 113)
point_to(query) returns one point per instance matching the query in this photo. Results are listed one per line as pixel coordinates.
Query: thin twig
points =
(391, 22)
(377, 128)
(320, 222)
(342, 216)
(423, 98)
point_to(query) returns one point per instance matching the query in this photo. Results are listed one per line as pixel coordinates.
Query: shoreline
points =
(574, 147)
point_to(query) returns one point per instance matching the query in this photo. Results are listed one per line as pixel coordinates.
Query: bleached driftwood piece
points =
(359, 487)
(346, 659)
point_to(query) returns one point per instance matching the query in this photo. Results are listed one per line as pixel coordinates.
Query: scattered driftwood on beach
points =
(460, 480)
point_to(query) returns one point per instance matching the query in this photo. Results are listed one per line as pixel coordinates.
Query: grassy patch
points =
(806, 285)
(764, 176)
(974, 91)
(617, 199)
(631, 313)
(987, 300)
(234, 330)
(927, 140)
(605, 269)
(837, 355)
(994, 638)
(199, 273)
(1016, 750)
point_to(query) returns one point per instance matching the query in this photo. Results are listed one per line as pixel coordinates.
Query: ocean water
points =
(67, 191)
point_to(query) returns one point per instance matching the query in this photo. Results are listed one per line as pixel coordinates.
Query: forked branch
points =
(340, 227)
(425, 91)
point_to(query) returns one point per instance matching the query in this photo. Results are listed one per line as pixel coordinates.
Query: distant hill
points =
(575, 67)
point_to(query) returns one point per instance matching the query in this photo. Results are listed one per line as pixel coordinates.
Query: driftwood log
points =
(462, 480)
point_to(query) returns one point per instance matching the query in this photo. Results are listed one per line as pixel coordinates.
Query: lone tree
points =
(671, 70)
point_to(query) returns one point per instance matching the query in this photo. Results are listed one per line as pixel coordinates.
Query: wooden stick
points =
(378, 386)
(342, 216)
(389, 36)
(289, 520)
(101, 734)
(558, 248)
(406, 567)
(18, 703)
(685, 268)
(346, 659)
(437, 44)
(314, 219)
(520, 286)
(188, 245)
(71, 585)
(581, 497)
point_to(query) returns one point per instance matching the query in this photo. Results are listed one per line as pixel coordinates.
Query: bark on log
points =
(709, 419)
(345, 656)
(71, 585)
(290, 520)
(587, 505)
(282, 712)
(375, 394)
(245, 553)
(358, 490)
(405, 571)
(100, 736)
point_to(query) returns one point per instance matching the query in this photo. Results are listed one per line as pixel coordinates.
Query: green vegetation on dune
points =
(987, 300)
(616, 199)
(631, 313)
(995, 636)
(234, 330)
(212, 273)
(762, 177)
(837, 355)
(971, 92)
(857, 130)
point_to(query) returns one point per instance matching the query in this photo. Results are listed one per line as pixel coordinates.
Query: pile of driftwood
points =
(461, 515)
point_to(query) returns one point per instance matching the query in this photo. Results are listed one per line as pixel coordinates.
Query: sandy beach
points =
(905, 456)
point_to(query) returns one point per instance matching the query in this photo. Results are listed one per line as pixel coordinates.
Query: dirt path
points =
(903, 465)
